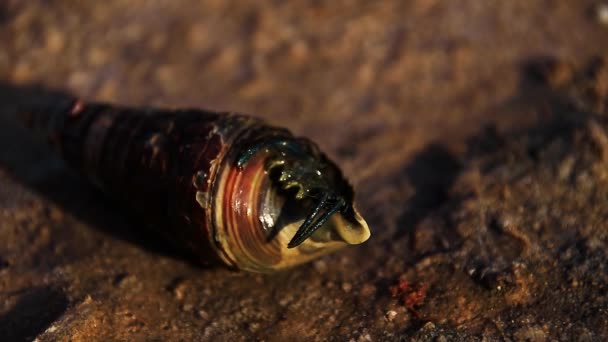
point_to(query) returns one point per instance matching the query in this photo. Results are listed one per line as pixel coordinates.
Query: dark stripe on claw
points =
(304, 232)
(315, 212)
(280, 144)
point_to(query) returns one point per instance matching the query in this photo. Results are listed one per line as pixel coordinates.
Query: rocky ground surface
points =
(474, 133)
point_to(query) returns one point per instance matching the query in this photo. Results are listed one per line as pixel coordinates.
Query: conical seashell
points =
(223, 186)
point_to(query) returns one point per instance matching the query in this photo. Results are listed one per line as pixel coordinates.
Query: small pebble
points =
(124, 279)
(178, 287)
(52, 329)
(428, 326)
(531, 333)
(56, 214)
(55, 41)
(320, 266)
(284, 301)
(565, 168)
(364, 338)
(253, 327)
(202, 314)
(552, 71)
(179, 291)
(368, 290)
(601, 13)
(390, 315)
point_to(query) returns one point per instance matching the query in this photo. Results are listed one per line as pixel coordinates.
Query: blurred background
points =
(407, 96)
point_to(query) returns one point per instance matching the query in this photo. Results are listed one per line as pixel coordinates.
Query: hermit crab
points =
(226, 187)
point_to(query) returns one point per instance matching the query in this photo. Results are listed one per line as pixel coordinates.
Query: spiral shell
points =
(194, 176)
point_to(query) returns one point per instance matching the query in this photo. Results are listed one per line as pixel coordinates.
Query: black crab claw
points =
(278, 143)
(331, 204)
